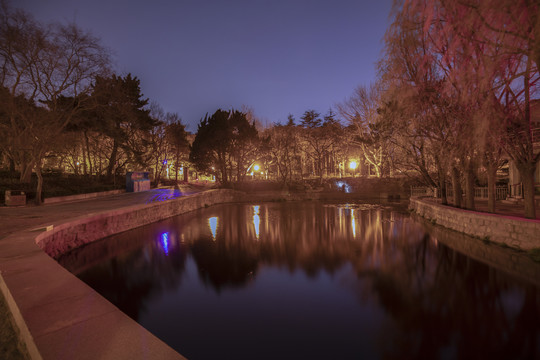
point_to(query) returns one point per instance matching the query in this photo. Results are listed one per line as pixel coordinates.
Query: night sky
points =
(277, 57)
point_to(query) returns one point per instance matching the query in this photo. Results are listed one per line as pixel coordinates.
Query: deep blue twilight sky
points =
(278, 57)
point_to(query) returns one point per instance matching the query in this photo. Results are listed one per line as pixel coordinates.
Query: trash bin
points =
(137, 181)
(15, 198)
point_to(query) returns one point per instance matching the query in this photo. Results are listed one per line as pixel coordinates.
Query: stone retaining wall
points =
(75, 233)
(516, 232)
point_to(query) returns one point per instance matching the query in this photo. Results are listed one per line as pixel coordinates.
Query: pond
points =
(311, 280)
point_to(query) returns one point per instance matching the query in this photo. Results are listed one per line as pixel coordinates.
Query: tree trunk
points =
(492, 186)
(186, 173)
(469, 185)
(39, 189)
(26, 172)
(456, 187)
(87, 144)
(526, 172)
(112, 159)
(442, 186)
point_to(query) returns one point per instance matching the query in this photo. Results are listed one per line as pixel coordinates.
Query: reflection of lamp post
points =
(352, 166)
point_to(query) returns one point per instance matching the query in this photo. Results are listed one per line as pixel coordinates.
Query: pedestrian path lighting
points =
(352, 166)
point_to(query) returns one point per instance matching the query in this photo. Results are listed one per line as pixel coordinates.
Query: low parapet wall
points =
(63, 238)
(516, 232)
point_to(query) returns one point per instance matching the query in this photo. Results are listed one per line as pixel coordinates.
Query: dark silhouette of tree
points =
(177, 138)
(224, 142)
(119, 111)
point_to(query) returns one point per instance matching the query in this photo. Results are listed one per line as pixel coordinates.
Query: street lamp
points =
(352, 166)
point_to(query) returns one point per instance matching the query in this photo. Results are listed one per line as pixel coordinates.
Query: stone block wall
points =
(516, 232)
(73, 234)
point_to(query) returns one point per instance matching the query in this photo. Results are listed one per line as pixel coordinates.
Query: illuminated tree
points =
(320, 137)
(371, 133)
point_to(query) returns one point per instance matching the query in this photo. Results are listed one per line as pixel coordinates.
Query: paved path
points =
(14, 219)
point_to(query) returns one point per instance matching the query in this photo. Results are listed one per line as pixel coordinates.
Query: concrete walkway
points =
(59, 316)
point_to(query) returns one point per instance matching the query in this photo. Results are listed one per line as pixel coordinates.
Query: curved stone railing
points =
(519, 233)
(75, 233)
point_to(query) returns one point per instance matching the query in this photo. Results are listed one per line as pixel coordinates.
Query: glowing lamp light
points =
(352, 165)
(165, 162)
(256, 167)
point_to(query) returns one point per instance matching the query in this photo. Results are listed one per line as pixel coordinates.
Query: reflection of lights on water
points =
(256, 219)
(342, 185)
(164, 237)
(213, 226)
(353, 222)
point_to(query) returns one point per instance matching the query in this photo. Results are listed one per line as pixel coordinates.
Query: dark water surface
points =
(311, 281)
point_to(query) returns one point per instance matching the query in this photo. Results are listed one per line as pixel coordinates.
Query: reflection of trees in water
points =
(439, 303)
(132, 277)
(463, 308)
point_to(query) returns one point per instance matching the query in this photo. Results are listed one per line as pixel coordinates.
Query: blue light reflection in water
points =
(165, 242)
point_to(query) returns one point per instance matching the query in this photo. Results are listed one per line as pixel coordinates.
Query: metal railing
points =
(501, 192)
(516, 190)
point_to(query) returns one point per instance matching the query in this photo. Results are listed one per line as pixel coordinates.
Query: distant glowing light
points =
(256, 220)
(213, 221)
(165, 162)
(164, 238)
(352, 165)
(256, 167)
(343, 186)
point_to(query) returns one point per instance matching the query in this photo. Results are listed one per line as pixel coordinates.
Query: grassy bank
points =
(11, 346)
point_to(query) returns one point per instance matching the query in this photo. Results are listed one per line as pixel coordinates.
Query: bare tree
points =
(52, 68)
